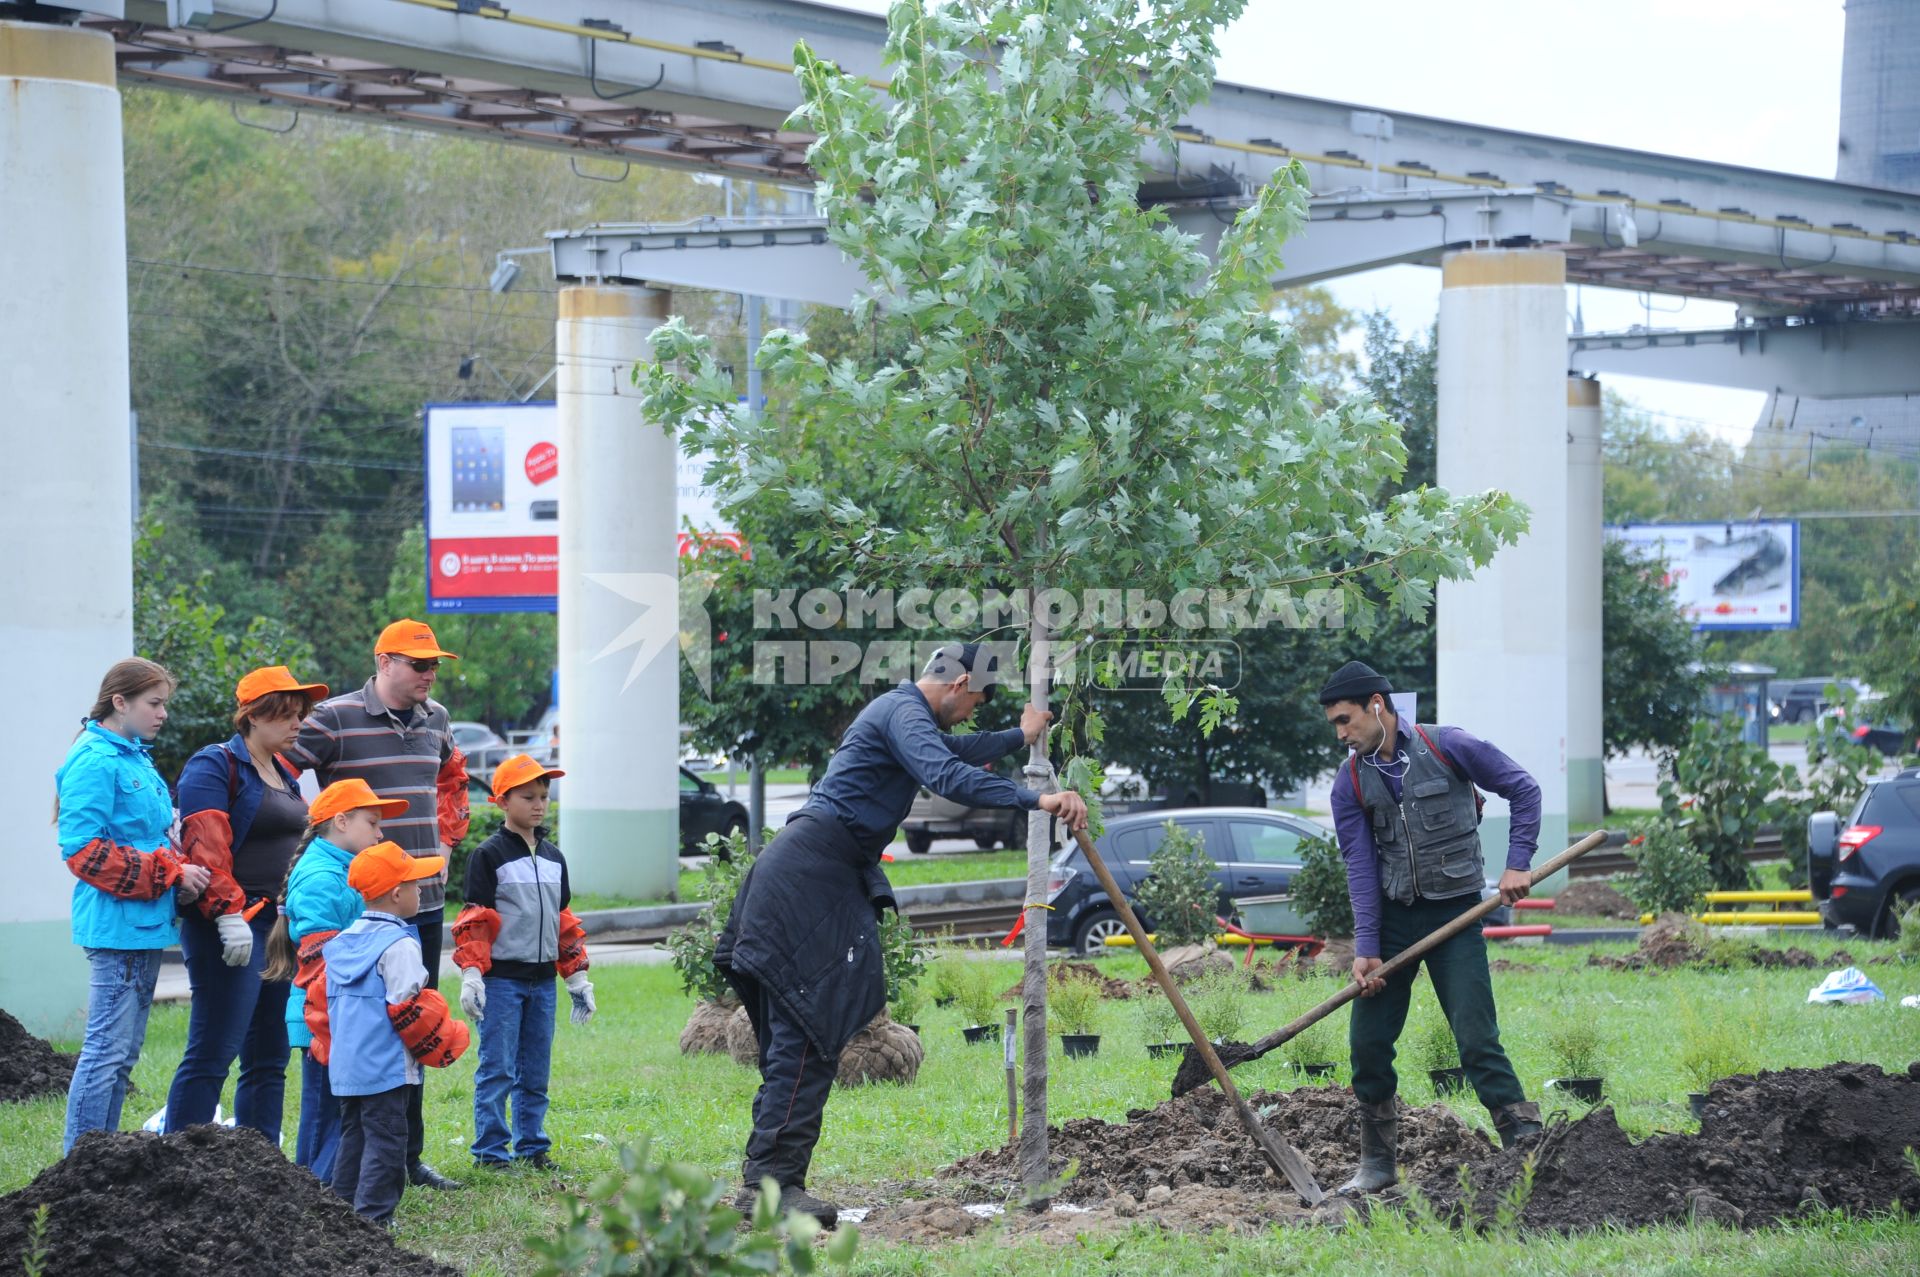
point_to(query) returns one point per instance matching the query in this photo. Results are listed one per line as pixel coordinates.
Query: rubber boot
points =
(1379, 1139)
(1516, 1122)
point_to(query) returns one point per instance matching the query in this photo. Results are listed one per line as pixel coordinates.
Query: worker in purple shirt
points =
(1407, 811)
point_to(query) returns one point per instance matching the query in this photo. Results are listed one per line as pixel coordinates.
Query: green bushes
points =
(1073, 1004)
(1576, 1047)
(903, 955)
(1320, 889)
(1178, 894)
(1670, 873)
(692, 945)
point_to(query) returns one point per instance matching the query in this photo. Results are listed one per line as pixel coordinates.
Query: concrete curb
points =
(924, 896)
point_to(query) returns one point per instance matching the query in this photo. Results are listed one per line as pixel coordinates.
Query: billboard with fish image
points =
(1727, 576)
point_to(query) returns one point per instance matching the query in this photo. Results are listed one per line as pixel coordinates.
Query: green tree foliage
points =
(1670, 874)
(174, 624)
(1402, 377)
(1178, 896)
(1320, 889)
(1652, 681)
(692, 945)
(1888, 629)
(1652, 472)
(1720, 793)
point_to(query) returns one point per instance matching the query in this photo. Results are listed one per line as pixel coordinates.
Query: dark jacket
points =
(216, 771)
(805, 927)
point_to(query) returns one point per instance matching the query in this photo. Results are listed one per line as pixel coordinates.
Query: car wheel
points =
(986, 842)
(1090, 940)
(1897, 905)
(920, 843)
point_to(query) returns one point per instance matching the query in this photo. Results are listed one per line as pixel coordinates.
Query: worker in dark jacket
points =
(1407, 811)
(801, 945)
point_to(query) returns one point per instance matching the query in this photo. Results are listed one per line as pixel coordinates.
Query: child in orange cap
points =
(385, 1023)
(513, 935)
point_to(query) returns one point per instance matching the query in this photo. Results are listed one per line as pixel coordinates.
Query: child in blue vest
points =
(385, 1023)
(514, 935)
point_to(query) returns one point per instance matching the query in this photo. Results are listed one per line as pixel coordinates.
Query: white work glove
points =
(580, 989)
(236, 939)
(473, 993)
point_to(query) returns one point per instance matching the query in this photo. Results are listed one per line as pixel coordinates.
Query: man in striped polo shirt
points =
(393, 735)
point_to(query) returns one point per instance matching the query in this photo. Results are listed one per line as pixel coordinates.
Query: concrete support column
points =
(619, 601)
(1586, 777)
(1502, 636)
(68, 513)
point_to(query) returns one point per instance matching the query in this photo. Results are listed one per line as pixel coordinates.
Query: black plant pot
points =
(1585, 1089)
(1448, 1081)
(1697, 1102)
(978, 1033)
(944, 1000)
(1158, 1049)
(1318, 1070)
(1080, 1045)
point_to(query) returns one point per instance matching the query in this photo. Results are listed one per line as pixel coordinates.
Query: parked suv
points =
(1865, 871)
(1255, 851)
(932, 816)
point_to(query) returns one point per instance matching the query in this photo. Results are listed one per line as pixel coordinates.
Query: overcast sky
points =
(1753, 82)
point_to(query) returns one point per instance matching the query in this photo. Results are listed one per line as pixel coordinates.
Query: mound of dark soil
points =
(1109, 987)
(1197, 1140)
(1769, 1147)
(208, 1199)
(1593, 898)
(29, 1068)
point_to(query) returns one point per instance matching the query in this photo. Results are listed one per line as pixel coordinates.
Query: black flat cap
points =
(977, 659)
(1354, 681)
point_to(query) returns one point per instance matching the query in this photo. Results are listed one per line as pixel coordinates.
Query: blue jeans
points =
(119, 995)
(516, 1053)
(235, 1014)
(319, 1139)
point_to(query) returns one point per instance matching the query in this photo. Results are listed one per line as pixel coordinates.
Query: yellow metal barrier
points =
(1802, 897)
(1124, 941)
(1761, 918)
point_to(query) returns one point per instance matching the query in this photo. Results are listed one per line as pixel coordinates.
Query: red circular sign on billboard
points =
(543, 462)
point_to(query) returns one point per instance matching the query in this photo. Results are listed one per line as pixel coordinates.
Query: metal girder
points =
(1816, 361)
(710, 84)
(783, 258)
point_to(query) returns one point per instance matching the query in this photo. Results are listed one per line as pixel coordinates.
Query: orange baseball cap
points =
(343, 796)
(410, 638)
(274, 678)
(516, 771)
(385, 865)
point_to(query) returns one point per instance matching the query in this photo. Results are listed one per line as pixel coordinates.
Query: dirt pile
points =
(1677, 941)
(1109, 987)
(1769, 1147)
(1593, 898)
(1196, 1141)
(206, 1200)
(29, 1068)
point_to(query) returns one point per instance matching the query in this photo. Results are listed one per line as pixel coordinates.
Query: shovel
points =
(1194, 1069)
(1282, 1156)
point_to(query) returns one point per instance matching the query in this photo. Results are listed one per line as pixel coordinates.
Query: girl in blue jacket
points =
(315, 903)
(115, 821)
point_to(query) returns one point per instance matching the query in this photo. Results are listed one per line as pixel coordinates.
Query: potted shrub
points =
(1575, 1044)
(1159, 1023)
(903, 956)
(1439, 1055)
(1219, 1002)
(1709, 1051)
(1073, 1006)
(944, 975)
(1178, 893)
(1311, 1050)
(977, 995)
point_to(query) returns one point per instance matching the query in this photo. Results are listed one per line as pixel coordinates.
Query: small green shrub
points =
(1219, 1002)
(1312, 1045)
(977, 994)
(1907, 943)
(1159, 1022)
(1320, 889)
(1576, 1047)
(946, 971)
(1720, 791)
(668, 1219)
(903, 955)
(1713, 1047)
(1073, 1004)
(1178, 894)
(692, 945)
(1434, 1046)
(1670, 874)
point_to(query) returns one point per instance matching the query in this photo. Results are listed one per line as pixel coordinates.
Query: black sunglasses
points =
(419, 666)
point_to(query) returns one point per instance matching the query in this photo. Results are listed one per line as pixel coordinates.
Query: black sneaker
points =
(491, 1164)
(420, 1175)
(538, 1162)
(799, 1199)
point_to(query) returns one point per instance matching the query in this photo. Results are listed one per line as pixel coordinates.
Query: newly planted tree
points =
(1086, 402)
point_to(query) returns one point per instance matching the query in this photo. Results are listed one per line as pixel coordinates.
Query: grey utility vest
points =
(1428, 840)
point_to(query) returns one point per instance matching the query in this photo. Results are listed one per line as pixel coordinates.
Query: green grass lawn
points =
(623, 1075)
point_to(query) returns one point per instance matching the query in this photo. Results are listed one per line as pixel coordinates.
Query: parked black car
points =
(704, 810)
(1865, 871)
(1255, 851)
(1799, 700)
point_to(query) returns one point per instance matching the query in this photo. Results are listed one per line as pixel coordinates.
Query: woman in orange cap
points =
(241, 818)
(316, 901)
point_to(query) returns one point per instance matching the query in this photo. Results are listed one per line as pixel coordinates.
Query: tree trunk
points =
(1033, 986)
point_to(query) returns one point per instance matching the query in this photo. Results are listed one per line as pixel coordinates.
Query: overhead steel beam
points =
(1815, 361)
(783, 258)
